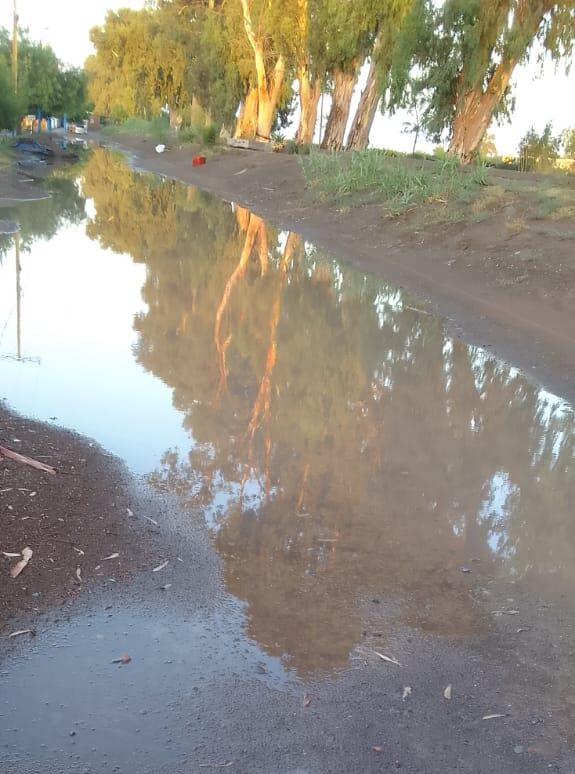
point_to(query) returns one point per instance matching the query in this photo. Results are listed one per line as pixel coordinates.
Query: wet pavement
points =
(366, 484)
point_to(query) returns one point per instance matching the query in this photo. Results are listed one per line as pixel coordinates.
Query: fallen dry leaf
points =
(306, 700)
(122, 660)
(447, 692)
(19, 566)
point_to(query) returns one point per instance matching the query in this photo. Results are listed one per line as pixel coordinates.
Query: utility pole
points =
(18, 296)
(15, 51)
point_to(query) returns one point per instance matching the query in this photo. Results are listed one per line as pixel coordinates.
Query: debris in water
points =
(389, 659)
(154, 522)
(464, 569)
(112, 556)
(79, 574)
(129, 511)
(78, 551)
(19, 566)
(11, 555)
(505, 612)
(12, 455)
(160, 147)
(122, 660)
(407, 691)
(306, 700)
(23, 631)
(166, 587)
(161, 566)
(377, 748)
(447, 692)
(492, 717)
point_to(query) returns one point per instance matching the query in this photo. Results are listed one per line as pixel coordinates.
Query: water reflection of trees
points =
(343, 445)
(42, 219)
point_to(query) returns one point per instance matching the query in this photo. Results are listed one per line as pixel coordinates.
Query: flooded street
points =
(350, 486)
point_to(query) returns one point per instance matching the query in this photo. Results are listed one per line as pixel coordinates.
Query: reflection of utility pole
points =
(15, 51)
(18, 297)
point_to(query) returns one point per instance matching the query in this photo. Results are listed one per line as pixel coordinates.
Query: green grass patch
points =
(205, 134)
(157, 128)
(400, 183)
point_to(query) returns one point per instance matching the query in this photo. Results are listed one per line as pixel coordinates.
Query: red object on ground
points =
(198, 160)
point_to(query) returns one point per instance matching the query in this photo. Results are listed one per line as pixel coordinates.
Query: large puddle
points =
(344, 451)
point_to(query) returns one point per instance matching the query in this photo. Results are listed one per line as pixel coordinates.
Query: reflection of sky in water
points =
(78, 304)
(496, 510)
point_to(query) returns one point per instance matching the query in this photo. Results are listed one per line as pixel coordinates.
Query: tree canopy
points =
(455, 59)
(43, 83)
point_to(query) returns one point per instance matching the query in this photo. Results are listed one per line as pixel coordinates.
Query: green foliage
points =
(209, 134)
(43, 84)
(157, 128)
(568, 138)
(461, 50)
(400, 182)
(10, 104)
(539, 151)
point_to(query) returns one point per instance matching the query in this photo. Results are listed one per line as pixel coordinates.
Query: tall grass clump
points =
(400, 182)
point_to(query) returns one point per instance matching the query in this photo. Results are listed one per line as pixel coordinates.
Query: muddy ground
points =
(201, 697)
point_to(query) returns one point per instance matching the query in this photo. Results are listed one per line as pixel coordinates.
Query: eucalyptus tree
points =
(387, 17)
(462, 54)
(120, 72)
(271, 29)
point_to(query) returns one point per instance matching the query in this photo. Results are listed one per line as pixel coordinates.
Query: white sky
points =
(65, 26)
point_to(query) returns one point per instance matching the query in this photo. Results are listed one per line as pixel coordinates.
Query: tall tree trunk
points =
(248, 117)
(362, 122)
(475, 106)
(474, 112)
(343, 84)
(268, 84)
(309, 94)
(268, 94)
(470, 124)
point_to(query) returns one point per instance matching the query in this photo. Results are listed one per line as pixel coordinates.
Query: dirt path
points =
(510, 289)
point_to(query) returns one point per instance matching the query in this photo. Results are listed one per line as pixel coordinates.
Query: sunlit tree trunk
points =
(309, 94)
(268, 83)
(474, 112)
(248, 118)
(343, 84)
(363, 120)
(475, 106)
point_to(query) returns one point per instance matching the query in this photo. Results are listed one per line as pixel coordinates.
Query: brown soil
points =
(71, 520)
(505, 279)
